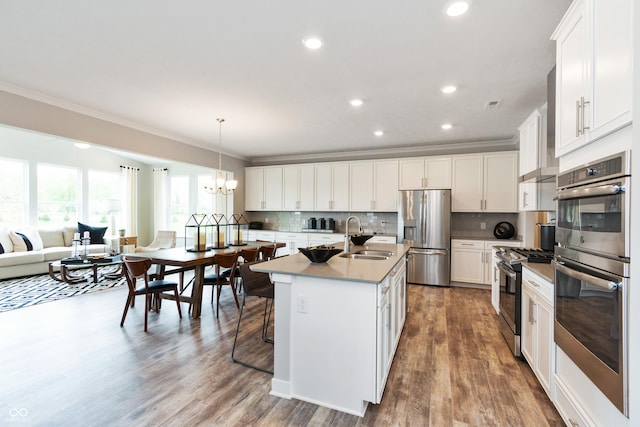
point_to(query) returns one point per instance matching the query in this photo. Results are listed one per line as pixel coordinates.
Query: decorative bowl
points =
(319, 254)
(360, 239)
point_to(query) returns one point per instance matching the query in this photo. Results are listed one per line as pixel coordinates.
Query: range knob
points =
(591, 171)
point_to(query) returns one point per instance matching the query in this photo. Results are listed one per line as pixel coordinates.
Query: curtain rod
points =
(129, 167)
(160, 169)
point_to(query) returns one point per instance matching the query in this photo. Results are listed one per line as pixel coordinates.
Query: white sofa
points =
(47, 245)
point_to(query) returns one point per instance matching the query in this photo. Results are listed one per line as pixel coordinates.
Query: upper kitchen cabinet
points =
(374, 186)
(425, 172)
(263, 188)
(332, 187)
(532, 139)
(298, 187)
(594, 71)
(485, 183)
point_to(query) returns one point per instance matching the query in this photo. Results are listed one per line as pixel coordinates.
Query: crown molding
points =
(442, 148)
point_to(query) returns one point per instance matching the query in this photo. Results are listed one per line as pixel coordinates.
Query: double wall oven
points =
(592, 263)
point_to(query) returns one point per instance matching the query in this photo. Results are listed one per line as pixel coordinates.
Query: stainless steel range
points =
(510, 270)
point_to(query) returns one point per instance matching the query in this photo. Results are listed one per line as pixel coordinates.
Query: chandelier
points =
(221, 185)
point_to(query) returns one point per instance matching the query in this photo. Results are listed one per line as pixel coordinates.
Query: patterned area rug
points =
(32, 290)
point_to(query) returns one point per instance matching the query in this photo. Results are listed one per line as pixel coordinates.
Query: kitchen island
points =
(337, 326)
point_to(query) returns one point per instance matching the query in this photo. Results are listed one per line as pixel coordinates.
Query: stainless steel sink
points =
(374, 252)
(362, 256)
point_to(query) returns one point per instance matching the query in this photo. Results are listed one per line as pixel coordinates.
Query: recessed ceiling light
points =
(448, 89)
(378, 133)
(82, 145)
(356, 102)
(457, 8)
(312, 42)
(446, 126)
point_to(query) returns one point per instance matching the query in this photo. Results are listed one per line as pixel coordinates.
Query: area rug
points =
(32, 290)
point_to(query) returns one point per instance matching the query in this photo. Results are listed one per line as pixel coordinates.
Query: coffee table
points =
(65, 270)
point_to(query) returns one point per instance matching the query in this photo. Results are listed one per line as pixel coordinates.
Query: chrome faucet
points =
(346, 231)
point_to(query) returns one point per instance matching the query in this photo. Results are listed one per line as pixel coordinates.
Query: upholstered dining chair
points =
(135, 269)
(255, 284)
(223, 261)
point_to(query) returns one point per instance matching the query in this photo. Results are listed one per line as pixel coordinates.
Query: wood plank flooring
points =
(68, 363)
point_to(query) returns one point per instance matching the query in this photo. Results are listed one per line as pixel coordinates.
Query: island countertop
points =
(359, 270)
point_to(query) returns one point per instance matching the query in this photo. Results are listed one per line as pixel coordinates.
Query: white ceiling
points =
(175, 66)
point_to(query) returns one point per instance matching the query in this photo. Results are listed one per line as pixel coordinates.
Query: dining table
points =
(185, 260)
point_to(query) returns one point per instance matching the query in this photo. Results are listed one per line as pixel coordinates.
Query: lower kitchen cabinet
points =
(537, 327)
(293, 242)
(467, 261)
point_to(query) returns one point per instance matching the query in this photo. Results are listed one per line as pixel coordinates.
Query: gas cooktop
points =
(534, 255)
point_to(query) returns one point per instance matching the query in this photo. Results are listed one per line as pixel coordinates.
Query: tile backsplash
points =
(372, 222)
(470, 224)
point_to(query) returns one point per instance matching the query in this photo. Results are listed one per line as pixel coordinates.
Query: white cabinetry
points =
(536, 196)
(333, 239)
(293, 242)
(374, 186)
(332, 187)
(382, 239)
(485, 183)
(537, 327)
(467, 261)
(263, 188)
(427, 172)
(532, 139)
(593, 97)
(298, 187)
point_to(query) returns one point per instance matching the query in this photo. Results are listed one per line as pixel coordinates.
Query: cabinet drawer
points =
(467, 244)
(541, 286)
(569, 411)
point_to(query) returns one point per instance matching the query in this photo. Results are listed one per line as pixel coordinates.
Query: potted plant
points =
(121, 231)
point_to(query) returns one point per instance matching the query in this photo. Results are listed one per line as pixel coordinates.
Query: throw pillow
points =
(5, 241)
(96, 233)
(25, 240)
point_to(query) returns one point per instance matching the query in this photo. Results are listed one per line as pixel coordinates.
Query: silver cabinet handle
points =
(524, 198)
(532, 304)
(573, 423)
(582, 104)
(578, 117)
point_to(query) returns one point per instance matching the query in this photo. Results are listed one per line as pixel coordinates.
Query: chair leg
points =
(235, 339)
(147, 308)
(219, 288)
(175, 291)
(235, 296)
(266, 318)
(126, 308)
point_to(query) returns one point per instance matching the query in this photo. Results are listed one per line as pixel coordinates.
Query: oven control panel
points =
(599, 171)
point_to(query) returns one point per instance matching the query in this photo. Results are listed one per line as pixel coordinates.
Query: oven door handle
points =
(506, 270)
(603, 283)
(603, 190)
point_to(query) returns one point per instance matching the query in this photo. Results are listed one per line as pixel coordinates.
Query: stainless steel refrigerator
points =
(425, 223)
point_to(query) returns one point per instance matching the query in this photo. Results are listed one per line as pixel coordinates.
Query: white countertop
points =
(360, 270)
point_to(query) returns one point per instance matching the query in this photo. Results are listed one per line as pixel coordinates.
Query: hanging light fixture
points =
(221, 185)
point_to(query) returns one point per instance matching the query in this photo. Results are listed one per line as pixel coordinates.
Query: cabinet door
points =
(501, 182)
(612, 85)
(466, 265)
(254, 189)
(273, 188)
(340, 187)
(545, 348)
(495, 282)
(571, 75)
(437, 172)
(385, 177)
(290, 188)
(527, 331)
(362, 183)
(466, 190)
(307, 188)
(323, 187)
(486, 266)
(411, 174)
(529, 143)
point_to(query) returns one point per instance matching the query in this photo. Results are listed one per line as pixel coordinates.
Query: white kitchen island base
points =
(334, 336)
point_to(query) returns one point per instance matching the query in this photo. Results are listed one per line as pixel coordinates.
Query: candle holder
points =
(85, 245)
(239, 227)
(75, 243)
(198, 227)
(220, 226)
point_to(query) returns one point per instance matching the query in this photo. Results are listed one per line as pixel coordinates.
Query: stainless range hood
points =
(543, 174)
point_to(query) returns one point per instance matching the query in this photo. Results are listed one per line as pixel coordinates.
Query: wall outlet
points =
(483, 226)
(266, 220)
(303, 304)
(339, 222)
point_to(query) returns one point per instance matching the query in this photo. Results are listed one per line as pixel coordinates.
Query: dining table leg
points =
(196, 294)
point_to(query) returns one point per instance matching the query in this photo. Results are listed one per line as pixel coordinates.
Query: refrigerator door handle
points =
(428, 252)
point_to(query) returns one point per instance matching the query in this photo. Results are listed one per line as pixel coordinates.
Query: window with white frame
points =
(13, 192)
(104, 194)
(179, 211)
(58, 195)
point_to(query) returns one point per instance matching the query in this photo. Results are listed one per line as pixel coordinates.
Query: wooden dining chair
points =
(267, 252)
(223, 261)
(135, 269)
(255, 284)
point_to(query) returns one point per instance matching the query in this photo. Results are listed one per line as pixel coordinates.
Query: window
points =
(58, 189)
(206, 202)
(13, 192)
(104, 198)
(179, 204)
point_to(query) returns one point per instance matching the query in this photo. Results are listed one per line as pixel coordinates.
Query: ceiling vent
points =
(492, 105)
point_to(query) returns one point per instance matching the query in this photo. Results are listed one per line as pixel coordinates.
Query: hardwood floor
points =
(68, 363)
